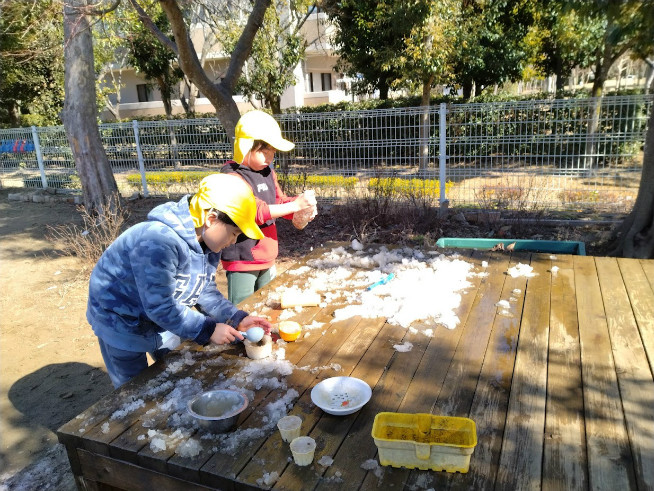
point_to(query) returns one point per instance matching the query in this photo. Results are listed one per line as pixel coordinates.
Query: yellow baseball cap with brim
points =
(231, 195)
(257, 125)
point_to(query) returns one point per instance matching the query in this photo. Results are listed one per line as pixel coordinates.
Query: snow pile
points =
(422, 288)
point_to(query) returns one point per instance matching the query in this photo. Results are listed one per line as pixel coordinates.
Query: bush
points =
(90, 240)
(409, 188)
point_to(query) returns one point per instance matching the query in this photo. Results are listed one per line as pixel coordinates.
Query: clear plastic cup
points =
(289, 427)
(303, 448)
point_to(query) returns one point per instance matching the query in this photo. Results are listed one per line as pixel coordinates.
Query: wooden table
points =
(562, 392)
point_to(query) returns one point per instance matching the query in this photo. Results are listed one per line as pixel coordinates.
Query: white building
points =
(317, 81)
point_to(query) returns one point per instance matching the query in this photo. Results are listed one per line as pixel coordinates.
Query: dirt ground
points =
(50, 364)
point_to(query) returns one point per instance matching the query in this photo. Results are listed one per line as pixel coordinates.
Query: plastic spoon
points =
(254, 334)
(383, 281)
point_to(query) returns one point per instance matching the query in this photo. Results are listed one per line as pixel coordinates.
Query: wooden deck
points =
(561, 391)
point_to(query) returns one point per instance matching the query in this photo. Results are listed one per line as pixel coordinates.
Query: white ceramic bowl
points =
(341, 395)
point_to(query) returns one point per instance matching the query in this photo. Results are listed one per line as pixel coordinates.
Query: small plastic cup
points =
(289, 427)
(303, 448)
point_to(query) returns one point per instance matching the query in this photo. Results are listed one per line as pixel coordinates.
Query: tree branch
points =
(149, 23)
(92, 10)
(244, 45)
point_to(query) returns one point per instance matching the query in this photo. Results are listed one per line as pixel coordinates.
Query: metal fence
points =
(529, 155)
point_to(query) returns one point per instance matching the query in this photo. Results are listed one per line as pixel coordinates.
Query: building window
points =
(326, 81)
(144, 93)
(310, 82)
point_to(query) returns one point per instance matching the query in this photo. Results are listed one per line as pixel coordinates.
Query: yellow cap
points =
(231, 195)
(257, 125)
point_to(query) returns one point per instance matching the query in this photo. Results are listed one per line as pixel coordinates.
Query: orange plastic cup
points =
(289, 330)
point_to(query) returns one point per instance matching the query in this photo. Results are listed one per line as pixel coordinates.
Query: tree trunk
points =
(649, 82)
(276, 104)
(220, 95)
(80, 112)
(467, 89)
(558, 72)
(383, 89)
(635, 236)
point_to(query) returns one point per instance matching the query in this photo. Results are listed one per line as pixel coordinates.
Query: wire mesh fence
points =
(525, 155)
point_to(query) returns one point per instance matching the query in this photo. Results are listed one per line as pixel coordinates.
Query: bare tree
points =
(218, 93)
(635, 236)
(80, 109)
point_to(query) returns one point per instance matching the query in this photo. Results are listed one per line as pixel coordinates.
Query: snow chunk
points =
(189, 448)
(268, 479)
(404, 347)
(521, 270)
(326, 461)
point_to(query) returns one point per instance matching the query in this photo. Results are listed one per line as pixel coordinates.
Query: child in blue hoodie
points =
(159, 275)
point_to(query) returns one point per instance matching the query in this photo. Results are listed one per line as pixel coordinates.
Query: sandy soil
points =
(50, 364)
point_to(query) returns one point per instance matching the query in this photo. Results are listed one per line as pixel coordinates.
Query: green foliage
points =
(562, 38)
(154, 60)
(31, 65)
(293, 184)
(277, 49)
(409, 188)
(367, 41)
(490, 43)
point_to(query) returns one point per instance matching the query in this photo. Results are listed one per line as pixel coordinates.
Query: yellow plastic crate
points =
(424, 441)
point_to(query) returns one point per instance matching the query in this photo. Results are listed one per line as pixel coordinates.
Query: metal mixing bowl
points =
(218, 410)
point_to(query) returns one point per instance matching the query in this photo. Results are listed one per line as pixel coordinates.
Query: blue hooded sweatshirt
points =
(148, 280)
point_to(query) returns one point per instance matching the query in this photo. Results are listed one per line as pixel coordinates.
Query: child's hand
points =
(252, 321)
(224, 334)
(306, 200)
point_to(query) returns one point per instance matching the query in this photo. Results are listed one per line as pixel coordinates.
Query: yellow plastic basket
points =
(424, 441)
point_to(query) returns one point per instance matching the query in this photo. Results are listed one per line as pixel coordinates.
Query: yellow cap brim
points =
(231, 195)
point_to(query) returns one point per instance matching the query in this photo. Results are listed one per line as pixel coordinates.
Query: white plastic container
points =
(289, 427)
(303, 449)
(295, 298)
(262, 349)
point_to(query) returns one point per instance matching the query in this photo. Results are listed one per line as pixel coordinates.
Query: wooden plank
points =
(436, 364)
(632, 368)
(455, 399)
(189, 468)
(648, 268)
(73, 431)
(358, 447)
(565, 464)
(222, 466)
(609, 457)
(491, 399)
(522, 449)
(127, 476)
(641, 297)
(274, 454)
(166, 460)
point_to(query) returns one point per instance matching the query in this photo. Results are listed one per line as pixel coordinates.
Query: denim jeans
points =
(123, 365)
